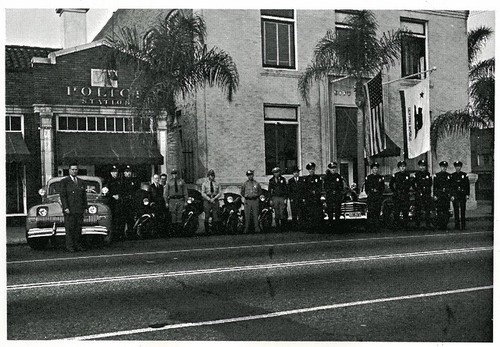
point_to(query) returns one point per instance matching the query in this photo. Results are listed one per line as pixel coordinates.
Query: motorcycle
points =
(266, 212)
(192, 210)
(232, 219)
(145, 221)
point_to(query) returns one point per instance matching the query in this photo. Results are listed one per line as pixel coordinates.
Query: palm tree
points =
(480, 112)
(171, 61)
(357, 53)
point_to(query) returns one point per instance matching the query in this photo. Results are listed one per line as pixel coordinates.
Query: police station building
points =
(69, 104)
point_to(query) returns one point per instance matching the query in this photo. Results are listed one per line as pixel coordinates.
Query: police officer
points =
(115, 203)
(278, 191)
(129, 187)
(442, 190)
(374, 188)
(157, 191)
(423, 194)
(313, 186)
(460, 190)
(176, 195)
(333, 185)
(400, 185)
(251, 191)
(295, 194)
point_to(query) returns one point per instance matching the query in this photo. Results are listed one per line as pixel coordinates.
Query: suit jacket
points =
(73, 196)
(157, 194)
(295, 189)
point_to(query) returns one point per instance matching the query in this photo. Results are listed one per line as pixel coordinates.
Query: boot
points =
(207, 228)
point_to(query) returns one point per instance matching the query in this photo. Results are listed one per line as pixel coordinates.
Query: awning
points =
(15, 148)
(391, 150)
(107, 148)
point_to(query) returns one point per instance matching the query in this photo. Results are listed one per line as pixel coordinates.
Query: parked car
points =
(353, 207)
(45, 221)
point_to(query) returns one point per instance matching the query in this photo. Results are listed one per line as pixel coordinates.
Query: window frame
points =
(292, 41)
(418, 36)
(9, 127)
(95, 119)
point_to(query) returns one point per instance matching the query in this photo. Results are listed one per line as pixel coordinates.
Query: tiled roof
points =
(19, 57)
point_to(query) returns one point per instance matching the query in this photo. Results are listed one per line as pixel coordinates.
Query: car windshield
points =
(91, 187)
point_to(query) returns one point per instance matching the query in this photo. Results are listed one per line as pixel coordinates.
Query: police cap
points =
(174, 171)
(276, 169)
(443, 163)
(114, 168)
(310, 166)
(458, 163)
(249, 172)
(332, 165)
(401, 163)
(210, 173)
(128, 168)
(295, 169)
(374, 164)
(422, 163)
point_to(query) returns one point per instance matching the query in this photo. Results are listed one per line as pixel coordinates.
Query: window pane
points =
(284, 44)
(91, 123)
(413, 56)
(128, 124)
(282, 113)
(280, 147)
(7, 123)
(15, 123)
(278, 13)
(270, 44)
(417, 28)
(82, 123)
(110, 124)
(100, 124)
(119, 124)
(72, 123)
(63, 123)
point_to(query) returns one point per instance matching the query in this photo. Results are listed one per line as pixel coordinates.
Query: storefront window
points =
(13, 123)
(101, 124)
(15, 177)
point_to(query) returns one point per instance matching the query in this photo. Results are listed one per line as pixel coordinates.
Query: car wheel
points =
(38, 243)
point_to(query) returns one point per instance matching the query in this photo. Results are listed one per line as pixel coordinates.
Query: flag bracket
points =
(410, 76)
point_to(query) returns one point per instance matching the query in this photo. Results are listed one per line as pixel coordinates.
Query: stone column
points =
(46, 142)
(472, 202)
(161, 136)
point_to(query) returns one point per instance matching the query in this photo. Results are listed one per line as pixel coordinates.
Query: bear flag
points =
(417, 118)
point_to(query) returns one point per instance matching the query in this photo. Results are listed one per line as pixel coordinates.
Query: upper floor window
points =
(102, 124)
(278, 38)
(14, 123)
(413, 49)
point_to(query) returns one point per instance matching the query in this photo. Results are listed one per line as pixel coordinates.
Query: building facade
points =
(267, 123)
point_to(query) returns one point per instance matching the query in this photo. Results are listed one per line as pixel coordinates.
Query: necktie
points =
(211, 187)
(74, 180)
(176, 186)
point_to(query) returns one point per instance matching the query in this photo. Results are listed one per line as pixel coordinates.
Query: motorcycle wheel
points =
(190, 226)
(232, 225)
(266, 222)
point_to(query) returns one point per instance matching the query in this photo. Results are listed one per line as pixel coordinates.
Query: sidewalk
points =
(16, 235)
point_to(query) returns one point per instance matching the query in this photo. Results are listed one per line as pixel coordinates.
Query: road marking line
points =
(300, 243)
(276, 314)
(243, 268)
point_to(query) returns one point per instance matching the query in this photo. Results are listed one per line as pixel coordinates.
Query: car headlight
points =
(42, 211)
(230, 199)
(41, 191)
(145, 201)
(92, 209)
(262, 198)
(322, 198)
(105, 190)
(190, 200)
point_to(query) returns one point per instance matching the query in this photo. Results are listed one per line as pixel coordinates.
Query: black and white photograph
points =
(270, 172)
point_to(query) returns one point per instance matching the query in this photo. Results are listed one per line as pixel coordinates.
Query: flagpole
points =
(409, 76)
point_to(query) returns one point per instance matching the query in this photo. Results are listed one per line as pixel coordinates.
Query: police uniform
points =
(333, 185)
(130, 186)
(400, 185)
(313, 187)
(442, 189)
(115, 203)
(278, 191)
(211, 192)
(176, 195)
(295, 193)
(423, 192)
(251, 191)
(374, 188)
(460, 190)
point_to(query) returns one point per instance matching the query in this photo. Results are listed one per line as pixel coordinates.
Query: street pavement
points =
(418, 286)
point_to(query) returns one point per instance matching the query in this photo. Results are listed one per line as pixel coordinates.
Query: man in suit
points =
(157, 191)
(74, 203)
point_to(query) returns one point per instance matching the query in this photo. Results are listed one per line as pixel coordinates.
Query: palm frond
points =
(476, 40)
(482, 69)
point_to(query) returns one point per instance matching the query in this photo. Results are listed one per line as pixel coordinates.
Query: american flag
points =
(375, 119)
